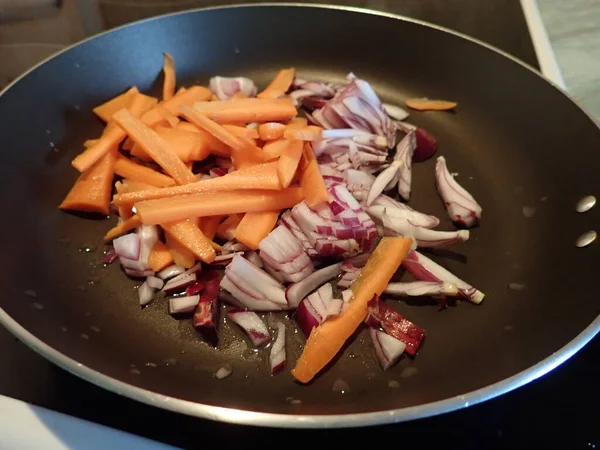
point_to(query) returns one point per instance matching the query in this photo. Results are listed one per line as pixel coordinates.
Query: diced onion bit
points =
(251, 323)
(387, 348)
(224, 372)
(278, 354)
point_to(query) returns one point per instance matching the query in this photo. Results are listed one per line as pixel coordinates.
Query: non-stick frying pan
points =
(525, 150)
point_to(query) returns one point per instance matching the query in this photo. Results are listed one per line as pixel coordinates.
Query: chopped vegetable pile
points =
(274, 200)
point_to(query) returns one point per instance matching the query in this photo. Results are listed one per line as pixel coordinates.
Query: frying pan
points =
(518, 143)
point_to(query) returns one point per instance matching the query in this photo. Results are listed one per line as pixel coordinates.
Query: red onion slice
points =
(251, 323)
(282, 252)
(395, 325)
(235, 296)
(334, 308)
(396, 213)
(254, 258)
(225, 88)
(148, 236)
(404, 153)
(424, 269)
(460, 205)
(387, 348)
(383, 179)
(170, 272)
(358, 177)
(183, 305)
(297, 291)
(307, 317)
(154, 282)
(347, 295)
(395, 112)
(110, 256)
(179, 283)
(277, 355)
(422, 288)
(233, 246)
(146, 294)
(138, 273)
(206, 314)
(195, 288)
(128, 246)
(256, 280)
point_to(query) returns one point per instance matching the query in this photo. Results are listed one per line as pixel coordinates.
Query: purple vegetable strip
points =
(424, 269)
(460, 205)
(206, 315)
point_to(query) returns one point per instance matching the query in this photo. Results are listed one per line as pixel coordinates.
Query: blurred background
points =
(31, 30)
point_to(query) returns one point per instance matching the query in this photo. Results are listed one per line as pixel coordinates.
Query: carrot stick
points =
(181, 90)
(159, 257)
(89, 143)
(274, 149)
(326, 340)
(155, 147)
(106, 110)
(309, 133)
(249, 133)
(209, 226)
(133, 186)
(216, 203)
(248, 110)
(169, 73)
(189, 145)
(189, 97)
(216, 146)
(212, 127)
(108, 140)
(226, 229)
(280, 84)
(247, 157)
(181, 255)
(239, 95)
(91, 192)
(312, 183)
(126, 168)
(297, 122)
(262, 176)
(255, 226)
(189, 235)
(122, 228)
(287, 165)
(271, 130)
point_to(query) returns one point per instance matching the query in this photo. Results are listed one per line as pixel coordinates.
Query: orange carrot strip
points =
(188, 97)
(187, 144)
(312, 183)
(248, 110)
(247, 157)
(287, 165)
(262, 176)
(214, 98)
(181, 90)
(209, 226)
(159, 257)
(249, 133)
(155, 147)
(133, 186)
(181, 255)
(106, 110)
(111, 138)
(189, 235)
(126, 168)
(255, 226)
(91, 192)
(159, 115)
(280, 84)
(326, 340)
(297, 122)
(212, 127)
(216, 146)
(309, 133)
(274, 149)
(271, 130)
(125, 211)
(239, 95)
(89, 143)
(226, 229)
(169, 73)
(122, 228)
(216, 203)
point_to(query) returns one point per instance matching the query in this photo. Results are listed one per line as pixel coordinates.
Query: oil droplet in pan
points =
(586, 239)
(585, 204)
(340, 386)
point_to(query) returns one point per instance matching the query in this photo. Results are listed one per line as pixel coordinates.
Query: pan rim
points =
(243, 417)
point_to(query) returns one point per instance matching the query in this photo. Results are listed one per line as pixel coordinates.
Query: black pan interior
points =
(516, 142)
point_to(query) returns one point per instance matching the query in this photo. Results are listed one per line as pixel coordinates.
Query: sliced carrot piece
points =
(189, 235)
(309, 133)
(209, 226)
(133, 186)
(312, 183)
(216, 146)
(160, 257)
(91, 192)
(249, 133)
(280, 84)
(110, 139)
(210, 126)
(216, 203)
(274, 149)
(287, 165)
(214, 98)
(326, 340)
(159, 115)
(89, 143)
(125, 211)
(169, 74)
(126, 168)
(226, 229)
(271, 130)
(248, 110)
(297, 122)
(181, 255)
(250, 156)
(188, 97)
(189, 145)
(181, 90)
(425, 104)
(262, 176)
(255, 226)
(124, 227)
(239, 95)
(106, 110)
(155, 147)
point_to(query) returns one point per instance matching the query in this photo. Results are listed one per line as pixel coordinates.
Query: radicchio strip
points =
(206, 315)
